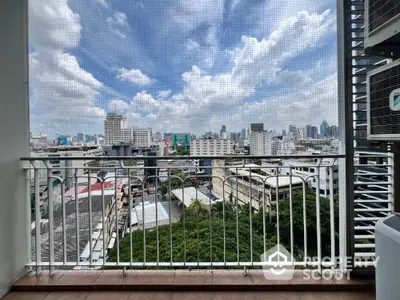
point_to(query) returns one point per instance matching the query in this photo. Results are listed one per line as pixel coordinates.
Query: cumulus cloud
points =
(63, 95)
(164, 94)
(207, 101)
(118, 106)
(259, 61)
(259, 83)
(133, 76)
(53, 25)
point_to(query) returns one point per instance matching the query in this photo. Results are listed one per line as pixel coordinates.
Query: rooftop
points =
(283, 181)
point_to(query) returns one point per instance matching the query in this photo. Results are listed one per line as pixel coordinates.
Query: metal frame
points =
(380, 34)
(379, 137)
(346, 136)
(52, 263)
(354, 62)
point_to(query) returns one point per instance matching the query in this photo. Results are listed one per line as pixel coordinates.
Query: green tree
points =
(226, 232)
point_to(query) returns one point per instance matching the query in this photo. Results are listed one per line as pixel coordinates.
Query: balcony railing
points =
(182, 212)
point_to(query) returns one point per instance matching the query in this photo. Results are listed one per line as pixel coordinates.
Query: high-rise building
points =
(141, 137)
(243, 134)
(80, 137)
(324, 129)
(222, 131)
(115, 130)
(308, 131)
(256, 127)
(314, 132)
(334, 131)
(260, 143)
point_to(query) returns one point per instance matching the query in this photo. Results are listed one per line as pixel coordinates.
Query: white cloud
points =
(118, 23)
(102, 3)
(133, 76)
(119, 19)
(63, 95)
(52, 24)
(164, 94)
(118, 106)
(259, 61)
(208, 101)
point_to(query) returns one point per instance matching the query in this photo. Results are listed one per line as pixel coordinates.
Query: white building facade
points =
(211, 147)
(260, 143)
(115, 130)
(141, 137)
(308, 169)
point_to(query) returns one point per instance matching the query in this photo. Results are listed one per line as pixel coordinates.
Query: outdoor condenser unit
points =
(387, 240)
(383, 103)
(382, 26)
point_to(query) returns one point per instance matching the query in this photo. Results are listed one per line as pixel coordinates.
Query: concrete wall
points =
(14, 137)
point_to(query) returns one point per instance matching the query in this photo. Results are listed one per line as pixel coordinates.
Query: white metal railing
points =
(235, 210)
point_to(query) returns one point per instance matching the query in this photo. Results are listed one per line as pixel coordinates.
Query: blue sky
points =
(181, 65)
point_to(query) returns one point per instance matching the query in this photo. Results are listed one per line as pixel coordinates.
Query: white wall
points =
(14, 134)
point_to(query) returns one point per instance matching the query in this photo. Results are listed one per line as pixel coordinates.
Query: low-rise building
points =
(252, 184)
(211, 147)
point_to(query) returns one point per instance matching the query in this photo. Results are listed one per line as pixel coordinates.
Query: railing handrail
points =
(181, 157)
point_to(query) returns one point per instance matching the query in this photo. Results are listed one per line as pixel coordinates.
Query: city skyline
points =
(195, 68)
(82, 136)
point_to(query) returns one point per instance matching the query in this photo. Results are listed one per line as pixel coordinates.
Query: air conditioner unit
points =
(387, 249)
(382, 27)
(383, 103)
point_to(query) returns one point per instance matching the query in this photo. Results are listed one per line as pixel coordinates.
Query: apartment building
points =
(115, 130)
(311, 169)
(64, 168)
(211, 147)
(141, 137)
(251, 184)
(260, 143)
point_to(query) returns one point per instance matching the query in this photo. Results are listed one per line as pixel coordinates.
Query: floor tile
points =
(26, 296)
(67, 296)
(193, 277)
(79, 278)
(109, 295)
(193, 296)
(150, 296)
(230, 277)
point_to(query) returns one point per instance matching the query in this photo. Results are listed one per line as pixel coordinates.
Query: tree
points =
(311, 222)
(214, 233)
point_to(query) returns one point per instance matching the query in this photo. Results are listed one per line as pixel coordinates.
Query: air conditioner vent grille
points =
(383, 119)
(381, 11)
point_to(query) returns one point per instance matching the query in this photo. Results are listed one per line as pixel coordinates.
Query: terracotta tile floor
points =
(183, 284)
(189, 295)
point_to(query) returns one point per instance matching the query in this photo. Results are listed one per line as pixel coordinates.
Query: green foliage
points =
(200, 234)
(311, 223)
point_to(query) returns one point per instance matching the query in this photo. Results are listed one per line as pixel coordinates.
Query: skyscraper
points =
(254, 127)
(80, 137)
(115, 130)
(314, 132)
(222, 131)
(324, 129)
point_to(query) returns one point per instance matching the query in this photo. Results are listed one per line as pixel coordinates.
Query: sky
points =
(181, 65)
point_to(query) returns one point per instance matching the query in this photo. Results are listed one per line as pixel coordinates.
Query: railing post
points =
(50, 214)
(38, 216)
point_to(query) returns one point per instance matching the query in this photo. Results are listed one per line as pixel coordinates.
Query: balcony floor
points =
(124, 295)
(183, 284)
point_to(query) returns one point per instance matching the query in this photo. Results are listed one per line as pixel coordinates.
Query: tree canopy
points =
(200, 234)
